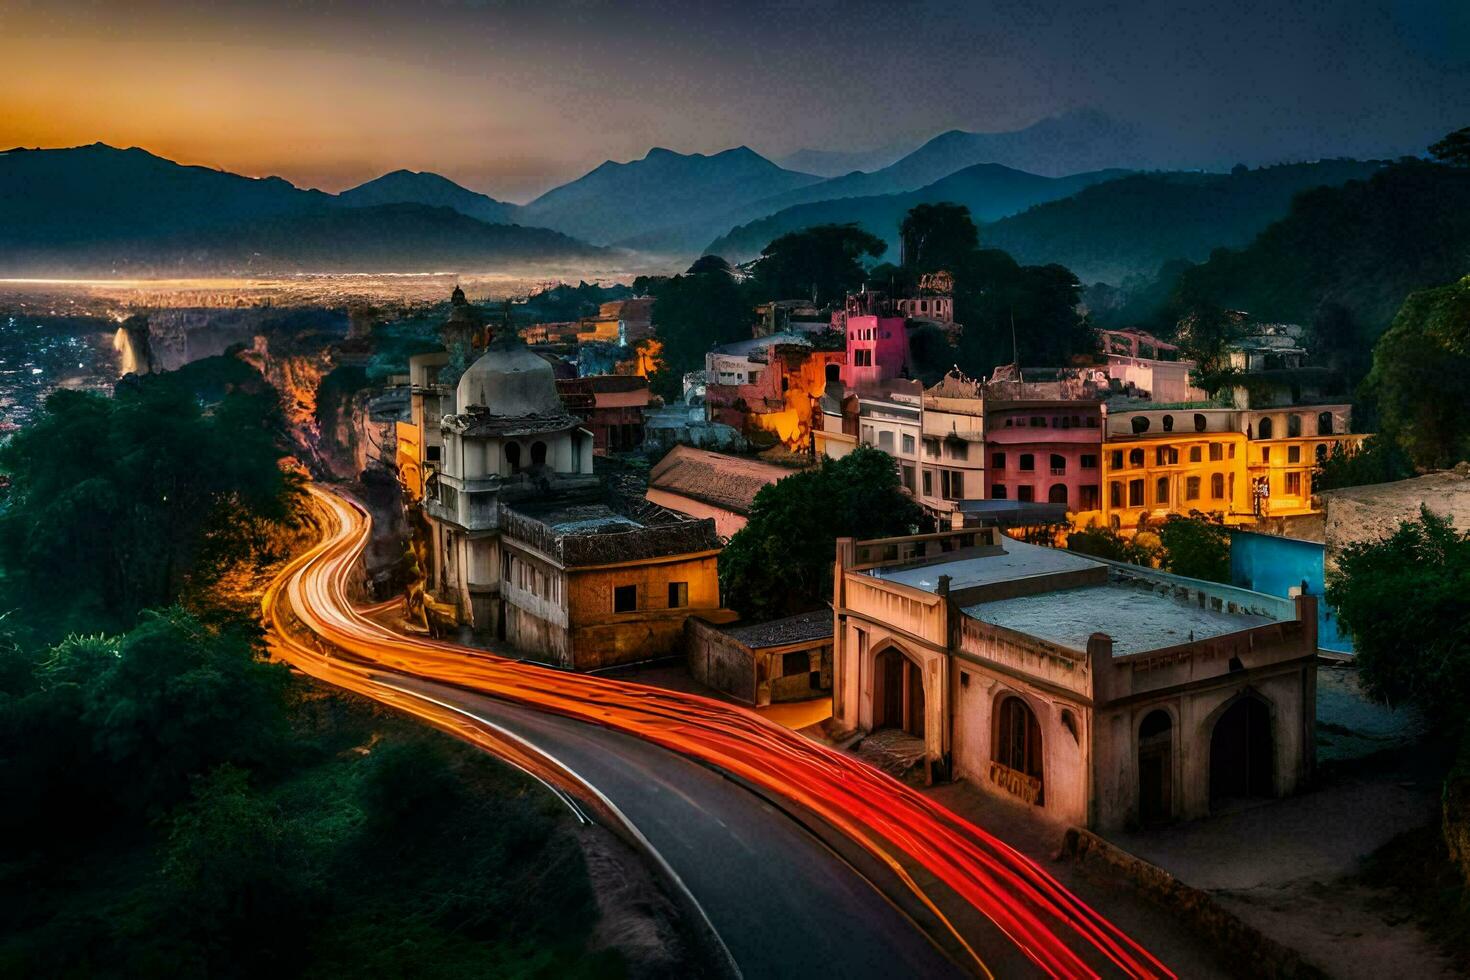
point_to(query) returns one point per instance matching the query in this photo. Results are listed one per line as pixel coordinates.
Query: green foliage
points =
(1106, 542)
(1418, 377)
(1404, 600)
(1378, 460)
(1453, 148)
(1015, 312)
(825, 262)
(691, 314)
(781, 562)
(1364, 247)
(937, 236)
(1196, 547)
(113, 499)
(156, 823)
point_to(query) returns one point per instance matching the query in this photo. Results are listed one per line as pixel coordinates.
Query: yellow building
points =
(1173, 473)
(1286, 444)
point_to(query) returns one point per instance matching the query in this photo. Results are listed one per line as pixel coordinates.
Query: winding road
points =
(796, 857)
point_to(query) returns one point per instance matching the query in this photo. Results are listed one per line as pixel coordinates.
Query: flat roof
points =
(1137, 618)
(1019, 560)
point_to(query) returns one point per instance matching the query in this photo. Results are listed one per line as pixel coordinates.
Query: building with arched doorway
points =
(1105, 695)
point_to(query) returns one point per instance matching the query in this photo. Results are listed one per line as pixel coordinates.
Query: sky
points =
(511, 97)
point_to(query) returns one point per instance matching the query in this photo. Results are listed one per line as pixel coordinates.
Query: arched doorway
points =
(1017, 751)
(1057, 494)
(513, 456)
(538, 453)
(898, 693)
(1155, 768)
(1242, 753)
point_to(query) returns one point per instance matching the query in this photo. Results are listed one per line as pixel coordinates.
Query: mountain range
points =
(989, 190)
(1048, 193)
(97, 210)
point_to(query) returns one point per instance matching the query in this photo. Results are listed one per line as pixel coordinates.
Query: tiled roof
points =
(779, 632)
(725, 481)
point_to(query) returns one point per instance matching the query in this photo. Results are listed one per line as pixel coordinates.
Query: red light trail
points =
(889, 820)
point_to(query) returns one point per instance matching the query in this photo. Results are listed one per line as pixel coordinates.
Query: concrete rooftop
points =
(1019, 561)
(1137, 619)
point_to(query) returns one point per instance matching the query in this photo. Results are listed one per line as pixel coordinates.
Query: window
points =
(1089, 461)
(1173, 454)
(1293, 426)
(1018, 745)
(1135, 457)
(513, 456)
(538, 453)
(1057, 494)
(1117, 459)
(867, 434)
(1199, 422)
(1025, 493)
(678, 595)
(799, 662)
(1115, 494)
(907, 472)
(1058, 464)
(1217, 486)
(1293, 454)
(885, 441)
(1161, 490)
(997, 491)
(1217, 452)
(625, 598)
(1265, 429)
(1294, 484)
(958, 449)
(1028, 461)
(1324, 423)
(928, 483)
(1139, 423)
(952, 484)
(1265, 454)
(1321, 451)
(1191, 488)
(1196, 454)
(931, 448)
(1037, 422)
(1135, 493)
(997, 461)
(862, 358)
(1161, 456)
(908, 444)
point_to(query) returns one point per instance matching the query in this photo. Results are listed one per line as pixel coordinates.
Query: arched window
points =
(513, 456)
(1058, 464)
(1265, 429)
(1293, 426)
(1199, 422)
(1217, 486)
(538, 453)
(1057, 494)
(1140, 424)
(1168, 423)
(1018, 749)
(1135, 457)
(1161, 490)
(1324, 423)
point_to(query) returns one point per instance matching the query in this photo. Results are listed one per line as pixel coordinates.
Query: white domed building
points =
(527, 545)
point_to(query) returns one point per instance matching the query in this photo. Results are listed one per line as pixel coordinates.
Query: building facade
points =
(1103, 695)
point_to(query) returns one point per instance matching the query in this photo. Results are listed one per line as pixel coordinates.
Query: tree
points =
(1453, 148)
(115, 502)
(691, 314)
(1404, 600)
(937, 236)
(1013, 312)
(824, 262)
(780, 563)
(1418, 379)
(1196, 546)
(1377, 460)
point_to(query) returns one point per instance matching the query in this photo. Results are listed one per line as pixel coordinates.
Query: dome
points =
(510, 382)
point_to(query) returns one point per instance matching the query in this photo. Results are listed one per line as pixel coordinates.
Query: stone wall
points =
(718, 661)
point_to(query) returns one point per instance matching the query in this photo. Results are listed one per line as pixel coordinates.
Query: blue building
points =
(1275, 565)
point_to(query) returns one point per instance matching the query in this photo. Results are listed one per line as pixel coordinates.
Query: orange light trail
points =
(891, 821)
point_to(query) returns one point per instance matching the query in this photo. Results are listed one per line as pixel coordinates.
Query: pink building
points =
(1049, 451)
(877, 340)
